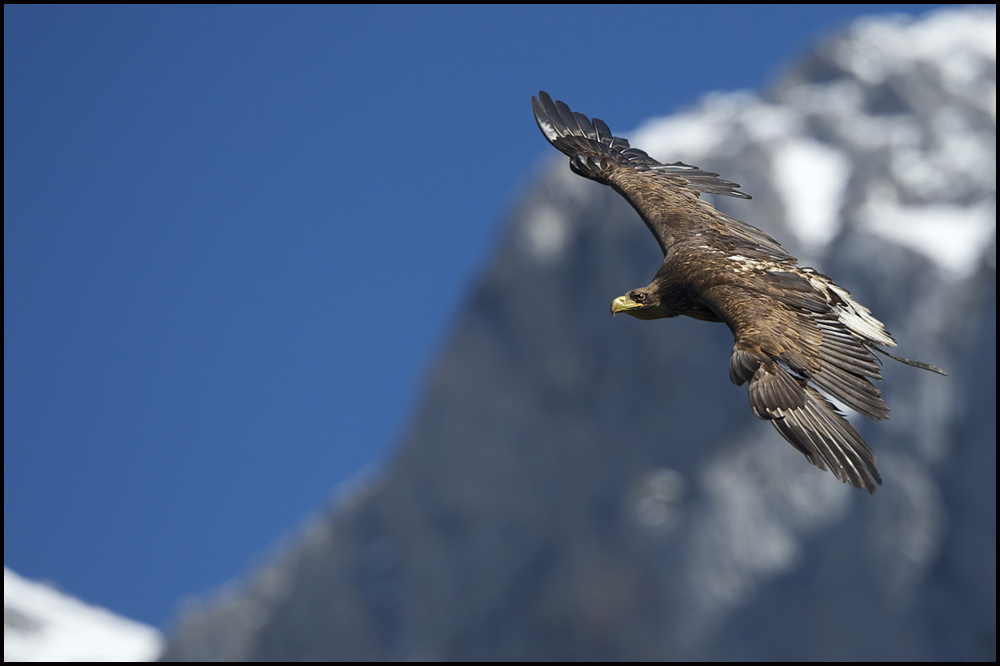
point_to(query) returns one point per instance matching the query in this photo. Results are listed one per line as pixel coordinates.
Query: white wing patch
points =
(746, 264)
(856, 317)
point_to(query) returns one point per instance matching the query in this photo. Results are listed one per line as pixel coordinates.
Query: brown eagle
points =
(800, 339)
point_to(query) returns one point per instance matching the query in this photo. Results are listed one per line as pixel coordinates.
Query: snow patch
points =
(42, 624)
(956, 42)
(546, 232)
(953, 236)
(765, 123)
(811, 179)
(678, 137)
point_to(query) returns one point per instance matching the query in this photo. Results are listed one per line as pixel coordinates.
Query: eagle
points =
(801, 341)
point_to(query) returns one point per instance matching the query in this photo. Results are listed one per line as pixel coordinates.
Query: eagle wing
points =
(800, 340)
(666, 196)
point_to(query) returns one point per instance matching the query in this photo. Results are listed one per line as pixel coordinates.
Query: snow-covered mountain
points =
(41, 623)
(581, 487)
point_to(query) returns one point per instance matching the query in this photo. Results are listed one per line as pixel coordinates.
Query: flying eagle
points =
(799, 338)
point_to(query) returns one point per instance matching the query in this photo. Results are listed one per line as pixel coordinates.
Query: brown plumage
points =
(799, 337)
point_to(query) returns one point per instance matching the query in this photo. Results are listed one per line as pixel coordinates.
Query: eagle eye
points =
(639, 297)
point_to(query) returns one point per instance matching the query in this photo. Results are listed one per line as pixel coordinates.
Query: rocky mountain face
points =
(581, 487)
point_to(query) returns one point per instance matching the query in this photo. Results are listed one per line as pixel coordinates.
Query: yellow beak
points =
(622, 304)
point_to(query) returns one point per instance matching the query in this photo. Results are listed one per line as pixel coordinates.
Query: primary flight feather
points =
(799, 338)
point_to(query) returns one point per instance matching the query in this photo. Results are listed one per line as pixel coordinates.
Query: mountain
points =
(41, 623)
(580, 487)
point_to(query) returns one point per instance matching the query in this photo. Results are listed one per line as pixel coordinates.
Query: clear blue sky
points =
(235, 238)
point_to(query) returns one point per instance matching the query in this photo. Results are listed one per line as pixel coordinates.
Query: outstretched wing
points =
(800, 340)
(813, 425)
(666, 196)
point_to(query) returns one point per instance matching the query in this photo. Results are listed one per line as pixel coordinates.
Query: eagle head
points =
(640, 303)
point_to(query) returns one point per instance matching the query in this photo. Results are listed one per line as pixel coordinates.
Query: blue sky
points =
(235, 239)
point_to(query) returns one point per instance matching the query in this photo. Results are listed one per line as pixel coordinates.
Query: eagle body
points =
(799, 339)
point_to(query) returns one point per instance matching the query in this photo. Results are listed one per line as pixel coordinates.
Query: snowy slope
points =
(43, 624)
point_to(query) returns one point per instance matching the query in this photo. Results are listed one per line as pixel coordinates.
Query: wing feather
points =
(576, 135)
(813, 425)
(603, 132)
(657, 191)
(855, 391)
